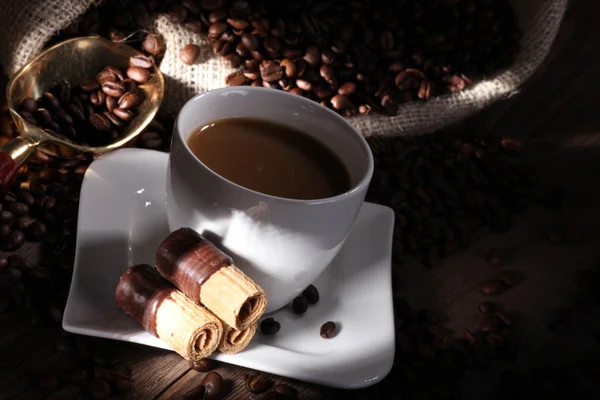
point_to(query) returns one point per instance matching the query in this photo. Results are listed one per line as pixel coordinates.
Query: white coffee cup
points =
(282, 244)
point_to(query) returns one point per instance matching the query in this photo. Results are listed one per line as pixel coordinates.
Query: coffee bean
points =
(269, 326)
(6, 218)
(300, 305)
(189, 54)
(203, 365)
(18, 209)
(113, 118)
(151, 140)
(489, 324)
(26, 197)
(154, 44)
(196, 393)
(76, 112)
(251, 42)
(216, 30)
(37, 230)
(312, 55)
(106, 76)
(50, 101)
(341, 102)
(194, 26)
(121, 384)
(424, 90)
(328, 330)
(270, 71)
(257, 384)
(125, 115)
(22, 223)
(138, 74)
(115, 89)
(213, 382)
(492, 287)
(347, 88)
(487, 307)
(3, 262)
(89, 85)
(127, 100)
(99, 388)
(29, 104)
(236, 78)
(111, 103)
(493, 257)
(286, 390)
(43, 117)
(178, 13)
(100, 122)
(223, 48)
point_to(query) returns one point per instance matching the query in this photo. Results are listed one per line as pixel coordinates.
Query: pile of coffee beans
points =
(443, 188)
(94, 111)
(354, 57)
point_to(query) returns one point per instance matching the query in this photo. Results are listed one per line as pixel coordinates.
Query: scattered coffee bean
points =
(100, 122)
(123, 114)
(312, 294)
(328, 330)
(286, 390)
(257, 384)
(213, 382)
(29, 104)
(196, 393)
(300, 305)
(154, 44)
(89, 85)
(269, 326)
(189, 54)
(492, 287)
(204, 365)
(494, 257)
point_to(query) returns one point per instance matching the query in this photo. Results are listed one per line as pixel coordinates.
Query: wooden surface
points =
(558, 112)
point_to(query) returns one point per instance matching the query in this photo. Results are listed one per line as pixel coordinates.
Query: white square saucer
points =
(122, 220)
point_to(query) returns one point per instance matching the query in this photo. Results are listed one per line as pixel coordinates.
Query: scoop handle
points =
(12, 155)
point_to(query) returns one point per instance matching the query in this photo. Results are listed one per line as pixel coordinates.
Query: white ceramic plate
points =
(122, 220)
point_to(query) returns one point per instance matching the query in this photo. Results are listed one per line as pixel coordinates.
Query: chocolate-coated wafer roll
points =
(190, 329)
(234, 341)
(209, 277)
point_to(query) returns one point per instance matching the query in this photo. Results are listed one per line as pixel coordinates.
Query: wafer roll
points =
(208, 276)
(234, 341)
(190, 329)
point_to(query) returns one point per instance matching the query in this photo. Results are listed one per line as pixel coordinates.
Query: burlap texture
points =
(26, 29)
(26, 25)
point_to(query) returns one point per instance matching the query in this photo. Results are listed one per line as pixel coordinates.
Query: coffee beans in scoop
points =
(94, 111)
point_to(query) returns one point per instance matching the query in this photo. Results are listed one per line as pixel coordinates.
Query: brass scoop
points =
(72, 60)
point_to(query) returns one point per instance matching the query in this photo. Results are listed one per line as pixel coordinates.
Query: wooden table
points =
(557, 112)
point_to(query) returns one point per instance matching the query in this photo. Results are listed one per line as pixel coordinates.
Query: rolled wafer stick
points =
(234, 341)
(209, 277)
(190, 329)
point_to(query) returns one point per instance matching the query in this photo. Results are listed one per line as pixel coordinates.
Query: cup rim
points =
(362, 183)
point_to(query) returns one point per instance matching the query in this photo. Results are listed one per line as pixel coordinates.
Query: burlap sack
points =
(26, 29)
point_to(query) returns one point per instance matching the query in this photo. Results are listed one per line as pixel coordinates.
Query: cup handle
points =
(12, 155)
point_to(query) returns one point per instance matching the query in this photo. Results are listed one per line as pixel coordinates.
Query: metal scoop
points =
(72, 60)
